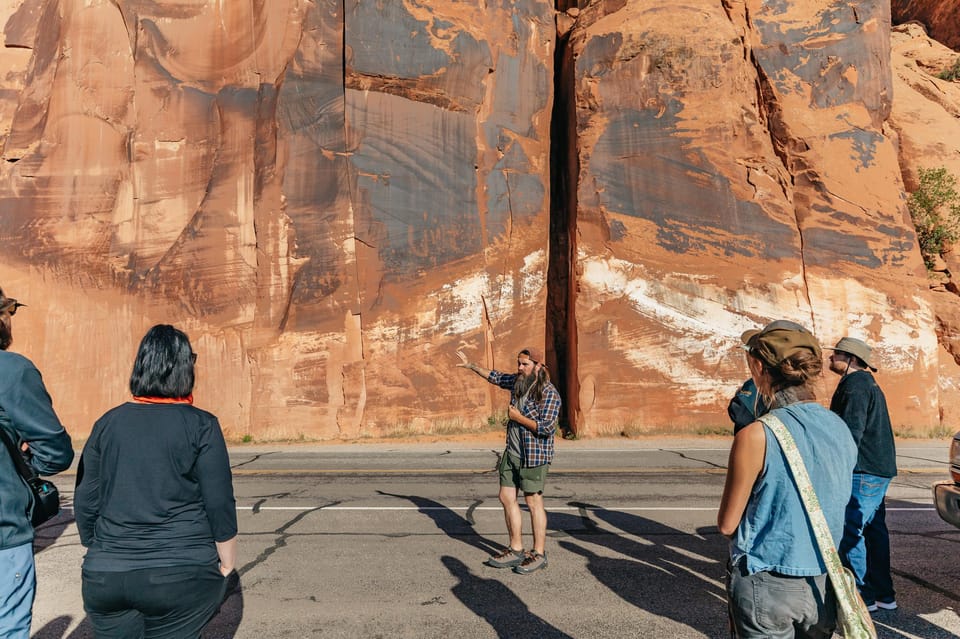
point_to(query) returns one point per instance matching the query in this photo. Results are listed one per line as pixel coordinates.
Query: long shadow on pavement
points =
(905, 621)
(57, 629)
(496, 604)
(665, 571)
(452, 524)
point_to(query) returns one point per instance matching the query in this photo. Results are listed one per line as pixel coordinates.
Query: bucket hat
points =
(857, 347)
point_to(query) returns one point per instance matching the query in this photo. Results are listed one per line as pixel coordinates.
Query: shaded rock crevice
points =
(561, 328)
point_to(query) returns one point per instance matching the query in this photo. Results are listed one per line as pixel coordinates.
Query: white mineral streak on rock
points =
(466, 304)
(694, 317)
(533, 274)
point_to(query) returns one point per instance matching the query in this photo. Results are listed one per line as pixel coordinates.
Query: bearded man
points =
(531, 426)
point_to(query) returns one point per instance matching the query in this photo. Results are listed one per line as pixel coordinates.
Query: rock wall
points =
(734, 167)
(940, 17)
(334, 197)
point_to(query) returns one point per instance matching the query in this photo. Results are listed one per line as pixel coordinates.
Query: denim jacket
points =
(27, 415)
(775, 534)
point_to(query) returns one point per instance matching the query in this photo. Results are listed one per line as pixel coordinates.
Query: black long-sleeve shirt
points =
(154, 488)
(862, 405)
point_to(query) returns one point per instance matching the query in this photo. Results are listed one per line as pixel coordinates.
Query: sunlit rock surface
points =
(332, 198)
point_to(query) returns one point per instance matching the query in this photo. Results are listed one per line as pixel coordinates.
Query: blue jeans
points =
(865, 547)
(18, 585)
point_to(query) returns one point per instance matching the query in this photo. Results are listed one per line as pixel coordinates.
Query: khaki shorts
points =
(529, 480)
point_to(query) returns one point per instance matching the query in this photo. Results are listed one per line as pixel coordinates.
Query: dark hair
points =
(796, 372)
(164, 364)
(6, 331)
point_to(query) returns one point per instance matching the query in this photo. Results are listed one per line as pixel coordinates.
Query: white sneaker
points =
(891, 605)
(871, 607)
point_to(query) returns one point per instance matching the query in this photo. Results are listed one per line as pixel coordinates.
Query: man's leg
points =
(866, 499)
(877, 539)
(532, 485)
(18, 585)
(512, 515)
(538, 520)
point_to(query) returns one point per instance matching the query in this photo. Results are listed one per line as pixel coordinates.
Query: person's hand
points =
(513, 413)
(464, 362)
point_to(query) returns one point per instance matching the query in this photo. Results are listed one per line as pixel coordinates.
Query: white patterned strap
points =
(810, 502)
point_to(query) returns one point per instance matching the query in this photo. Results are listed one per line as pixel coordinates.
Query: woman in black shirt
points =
(154, 503)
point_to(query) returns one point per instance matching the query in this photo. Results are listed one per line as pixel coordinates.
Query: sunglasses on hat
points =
(10, 305)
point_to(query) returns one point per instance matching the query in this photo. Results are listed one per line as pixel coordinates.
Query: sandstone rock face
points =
(332, 198)
(926, 119)
(941, 18)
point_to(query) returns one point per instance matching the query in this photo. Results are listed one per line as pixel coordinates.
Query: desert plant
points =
(935, 210)
(953, 73)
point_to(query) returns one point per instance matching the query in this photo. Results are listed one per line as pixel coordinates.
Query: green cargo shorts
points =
(529, 480)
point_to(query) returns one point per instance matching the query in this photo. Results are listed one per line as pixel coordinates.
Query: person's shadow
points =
(57, 629)
(908, 619)
(225, 623)
(667, 572)
(452, 524)
(495, 603)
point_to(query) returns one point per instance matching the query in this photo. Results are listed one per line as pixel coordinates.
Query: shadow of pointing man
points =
(496, 604)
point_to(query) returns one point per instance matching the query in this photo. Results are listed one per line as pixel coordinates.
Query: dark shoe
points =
(507, 558)
(533, 562)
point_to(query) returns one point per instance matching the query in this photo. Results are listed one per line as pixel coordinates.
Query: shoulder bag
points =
(852, 614)
(46, 497)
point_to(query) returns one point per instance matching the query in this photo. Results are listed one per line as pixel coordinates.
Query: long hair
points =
(164, 364)
(532, 387)
(6, 329)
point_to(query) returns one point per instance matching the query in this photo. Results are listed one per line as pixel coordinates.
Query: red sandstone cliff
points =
(331, 198)
(940, 17)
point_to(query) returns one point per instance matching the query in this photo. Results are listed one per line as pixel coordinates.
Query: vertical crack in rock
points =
(561, 328)
(771, 114)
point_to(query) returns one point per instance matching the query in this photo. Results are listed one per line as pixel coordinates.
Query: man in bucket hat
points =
(865, 547)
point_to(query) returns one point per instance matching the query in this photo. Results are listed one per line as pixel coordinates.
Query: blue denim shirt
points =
(775, 534)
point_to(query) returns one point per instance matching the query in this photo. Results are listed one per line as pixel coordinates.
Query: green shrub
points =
(953, 73)
(935, 210)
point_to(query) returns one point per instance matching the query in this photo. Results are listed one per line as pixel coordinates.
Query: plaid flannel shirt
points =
(537, 447)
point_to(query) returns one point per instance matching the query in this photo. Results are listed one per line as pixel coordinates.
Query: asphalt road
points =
(388, 540)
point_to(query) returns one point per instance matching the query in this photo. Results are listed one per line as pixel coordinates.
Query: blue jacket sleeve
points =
(28, 405)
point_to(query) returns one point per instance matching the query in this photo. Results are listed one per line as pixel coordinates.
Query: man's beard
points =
(523, 384)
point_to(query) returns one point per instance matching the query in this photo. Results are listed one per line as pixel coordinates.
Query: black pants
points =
(173, 603)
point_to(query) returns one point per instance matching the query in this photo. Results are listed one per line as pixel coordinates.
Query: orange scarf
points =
(164, 400)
